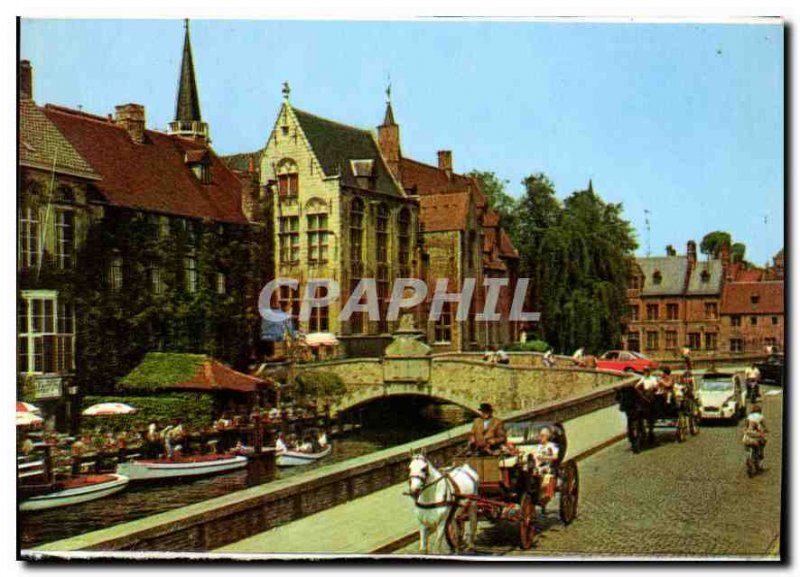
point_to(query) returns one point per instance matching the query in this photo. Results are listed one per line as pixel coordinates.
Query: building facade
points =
(130, 240)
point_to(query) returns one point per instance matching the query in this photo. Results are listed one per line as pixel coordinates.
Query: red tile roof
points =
(738, 297)
(441, 212)
(214, 376)
(424, 179)
(152, 176)
(491, 218)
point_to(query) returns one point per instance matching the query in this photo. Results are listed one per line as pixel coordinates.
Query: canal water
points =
(386, 423)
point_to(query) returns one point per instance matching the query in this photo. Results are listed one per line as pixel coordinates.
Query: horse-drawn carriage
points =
(511, 486)
(647, 410)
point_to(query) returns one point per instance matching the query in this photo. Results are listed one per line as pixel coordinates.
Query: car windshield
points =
(716, 386)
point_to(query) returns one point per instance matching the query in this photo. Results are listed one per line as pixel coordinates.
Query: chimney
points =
(671, 250)
(725, 255)
(131, 118)
(691, 252)
(25, 80)
(446, 161)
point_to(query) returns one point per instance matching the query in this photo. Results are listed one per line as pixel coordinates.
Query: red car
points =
(629, 361)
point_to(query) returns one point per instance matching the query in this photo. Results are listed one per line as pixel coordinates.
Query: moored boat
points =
(76, 490)
(184, 466)
(291, 458)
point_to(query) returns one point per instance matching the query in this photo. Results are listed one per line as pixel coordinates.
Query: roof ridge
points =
(73, 112)
(336, 122)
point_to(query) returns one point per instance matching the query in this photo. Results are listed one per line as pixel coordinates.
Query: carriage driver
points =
(488, 434)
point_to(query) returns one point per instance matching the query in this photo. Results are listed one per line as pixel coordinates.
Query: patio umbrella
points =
(108, 409)
(28, 419)
(27, 408)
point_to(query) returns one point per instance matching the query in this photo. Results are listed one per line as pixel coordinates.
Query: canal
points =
(386, 423)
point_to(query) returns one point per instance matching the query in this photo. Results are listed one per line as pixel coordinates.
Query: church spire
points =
(388, 118)
(188, 121)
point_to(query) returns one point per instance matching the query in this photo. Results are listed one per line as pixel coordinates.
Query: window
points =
(404, 242)
(710, 310)
(754, 299)
(46, 333)
(29, 237)
(736, 321)
(635, 283)
(652, 312)
(381, 256)
(318, 322)
(156, 282)
(705, 277)
(671, 338)
(737, 345)
(318, 238)
(652, 340)
(711, 341)
(356, 264)
(694, 341)
(65, 238)
(444, 325)
(221, 283)
(288, 183)
(289, 301)
(657, 277)
(633, 341)
(753, 321)
(289, 236)
(115, 273)
(672, 312)
(770, 341)
(633, 312)
(190, 273)
(774, 321)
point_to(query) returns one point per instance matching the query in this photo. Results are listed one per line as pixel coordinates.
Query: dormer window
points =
(199, 162)
(657, 277)
(754, 299)
(705, 277)
(364, 171)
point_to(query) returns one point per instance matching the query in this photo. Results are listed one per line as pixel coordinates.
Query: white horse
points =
(436, 497)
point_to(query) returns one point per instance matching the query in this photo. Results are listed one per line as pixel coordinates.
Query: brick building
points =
(130, 240)
(462, 239)
(676, 301)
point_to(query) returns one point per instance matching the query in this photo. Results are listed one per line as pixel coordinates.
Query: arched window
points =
(657, 277)
(404, 242)
(356, 262)
(382, 260)
(288, 182)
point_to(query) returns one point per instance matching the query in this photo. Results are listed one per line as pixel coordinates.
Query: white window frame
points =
(27, 332)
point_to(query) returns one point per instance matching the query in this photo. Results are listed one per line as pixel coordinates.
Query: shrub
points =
(530, 346)
(194, 409)
(319, 385)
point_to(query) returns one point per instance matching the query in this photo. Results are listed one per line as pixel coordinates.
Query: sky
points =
(682, 120)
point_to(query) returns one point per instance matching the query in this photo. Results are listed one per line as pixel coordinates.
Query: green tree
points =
(738, 251)
(713, 242)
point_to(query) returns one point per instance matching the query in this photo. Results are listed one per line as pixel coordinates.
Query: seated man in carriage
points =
(488, 434)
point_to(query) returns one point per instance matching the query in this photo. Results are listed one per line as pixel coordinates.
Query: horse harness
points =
(451, 485)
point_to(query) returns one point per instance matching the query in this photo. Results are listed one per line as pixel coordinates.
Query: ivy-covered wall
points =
(116, 327)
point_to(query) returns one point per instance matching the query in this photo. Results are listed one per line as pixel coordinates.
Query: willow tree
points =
(577, 254)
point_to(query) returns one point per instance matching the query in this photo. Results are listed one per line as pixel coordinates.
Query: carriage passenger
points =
(545, 453)
(648, 382)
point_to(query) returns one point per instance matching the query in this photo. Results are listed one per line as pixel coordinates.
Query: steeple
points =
(591, 188)
(188, 121)
(389, 137)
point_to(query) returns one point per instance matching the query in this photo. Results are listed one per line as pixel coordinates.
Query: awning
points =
(321, 339)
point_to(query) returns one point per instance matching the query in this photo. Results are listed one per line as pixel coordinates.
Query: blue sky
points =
(684, 120)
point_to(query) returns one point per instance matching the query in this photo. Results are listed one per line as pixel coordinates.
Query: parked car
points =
(629, 361)
(722, 397)
(772, 369)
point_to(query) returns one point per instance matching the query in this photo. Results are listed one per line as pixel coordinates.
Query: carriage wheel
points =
(527, 518)
(454, 530)
(568, 506)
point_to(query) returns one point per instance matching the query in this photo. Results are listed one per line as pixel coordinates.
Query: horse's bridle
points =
(434, 504)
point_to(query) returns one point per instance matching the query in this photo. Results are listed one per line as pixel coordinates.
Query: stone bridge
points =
(464, 379)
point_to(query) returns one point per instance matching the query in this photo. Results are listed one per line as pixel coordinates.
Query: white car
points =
(722, 397)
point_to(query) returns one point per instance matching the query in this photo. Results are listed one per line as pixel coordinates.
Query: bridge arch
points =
(367, 394)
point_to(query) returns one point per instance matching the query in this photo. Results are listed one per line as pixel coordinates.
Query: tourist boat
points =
(182, 466)
(296, 458)
(76, 490)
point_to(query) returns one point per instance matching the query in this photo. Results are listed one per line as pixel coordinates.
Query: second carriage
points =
(512, 485)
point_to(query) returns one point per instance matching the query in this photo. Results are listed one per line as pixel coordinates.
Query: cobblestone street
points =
(690, 499)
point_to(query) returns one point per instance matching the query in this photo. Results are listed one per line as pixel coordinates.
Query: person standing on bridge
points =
(488, 433)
